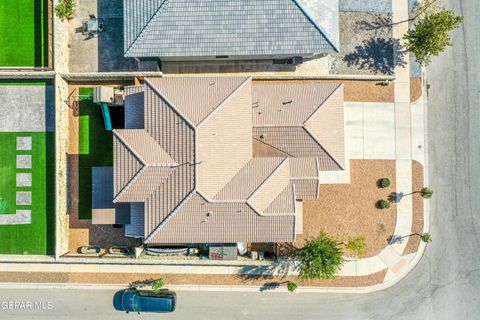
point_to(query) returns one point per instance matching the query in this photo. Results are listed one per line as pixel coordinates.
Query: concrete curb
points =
(27, 75)
(195, 288)
(111, 76)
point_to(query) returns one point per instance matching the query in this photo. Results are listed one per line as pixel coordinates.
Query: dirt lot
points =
(417, 224)
(350, 208)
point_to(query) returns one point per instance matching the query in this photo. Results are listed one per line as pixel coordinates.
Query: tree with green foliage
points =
(320, 258)
(64, 9)
(430, 35)
(355, 246)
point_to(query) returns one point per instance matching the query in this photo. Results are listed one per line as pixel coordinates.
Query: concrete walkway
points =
(386, 131)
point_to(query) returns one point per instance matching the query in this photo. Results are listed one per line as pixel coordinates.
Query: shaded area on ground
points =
(103, 52)
(367, 43)
(376, 55)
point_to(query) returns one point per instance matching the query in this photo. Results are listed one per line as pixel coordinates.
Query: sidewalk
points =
(373, 131)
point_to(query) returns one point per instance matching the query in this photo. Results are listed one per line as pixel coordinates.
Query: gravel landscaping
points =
(417, 223)
(367, 45)
(350, 208)
(415, 89)
(191, 279)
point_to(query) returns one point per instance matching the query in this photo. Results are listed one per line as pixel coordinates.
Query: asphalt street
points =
(446, 282)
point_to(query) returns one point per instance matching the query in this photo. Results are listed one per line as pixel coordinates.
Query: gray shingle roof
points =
(186, 28)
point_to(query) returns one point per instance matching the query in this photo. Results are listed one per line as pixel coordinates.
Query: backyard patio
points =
(27, 187)
(90, 146)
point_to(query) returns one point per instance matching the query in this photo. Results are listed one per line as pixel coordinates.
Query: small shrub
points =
(291, 286)
(384, 204)
(381, 228)
(384, 183)
(64, 9)
(356, 246)
(426, 192)
(157, 284)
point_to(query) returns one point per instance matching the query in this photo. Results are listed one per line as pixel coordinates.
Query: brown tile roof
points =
(301, 120)
(283, 203)
(134, 107)
(200, 221)
(296, 142)
(306, 188)
(278, 103)
(196, 98)
(193, 165)
(249, 179)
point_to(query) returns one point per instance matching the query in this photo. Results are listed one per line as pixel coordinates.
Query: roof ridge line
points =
(171, 105)
(220, 105)
(323, 148)
(118, 135)
(267, 144)
(129, 184)
(257, 212)
(145, 27)
(270, 176)
(322, 104)
(289, 185)
(315, 24)
(167, 218)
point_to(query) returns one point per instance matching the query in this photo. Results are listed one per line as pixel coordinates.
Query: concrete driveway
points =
(370, 130)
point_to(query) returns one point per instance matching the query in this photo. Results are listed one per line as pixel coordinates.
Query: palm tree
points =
(425, 192)
(425, 237)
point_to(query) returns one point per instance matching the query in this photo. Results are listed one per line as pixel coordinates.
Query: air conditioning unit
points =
(103, 94)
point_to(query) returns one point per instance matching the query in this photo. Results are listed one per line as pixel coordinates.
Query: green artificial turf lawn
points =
(95, 149)
(39, 236)
(23, 33)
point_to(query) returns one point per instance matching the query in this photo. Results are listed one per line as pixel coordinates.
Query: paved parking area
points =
(104, 52)
(27, 108)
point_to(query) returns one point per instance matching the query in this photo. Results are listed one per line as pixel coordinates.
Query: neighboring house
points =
(224, 159)
(230, 29)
